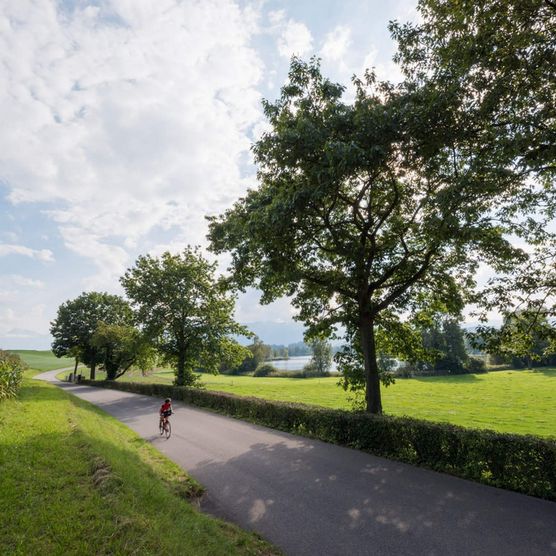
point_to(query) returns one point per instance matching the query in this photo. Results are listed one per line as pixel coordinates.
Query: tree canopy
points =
(185, 311)
(121, 347)
(369, 210)
(501, 58)
(77, 321)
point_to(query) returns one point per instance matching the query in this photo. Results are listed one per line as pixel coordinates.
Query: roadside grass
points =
(43, 360)
(73, 480)
(518, 401)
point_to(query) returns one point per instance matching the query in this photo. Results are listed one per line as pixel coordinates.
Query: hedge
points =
(525, 464)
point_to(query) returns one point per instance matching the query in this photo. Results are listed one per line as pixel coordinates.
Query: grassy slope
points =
(522, 402)
(43, 360)
(73, 480)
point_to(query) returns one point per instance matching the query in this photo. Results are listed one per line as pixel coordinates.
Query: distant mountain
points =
(18, 338)
(280, 333)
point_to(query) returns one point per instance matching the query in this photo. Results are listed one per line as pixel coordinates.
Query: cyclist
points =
(165, 410)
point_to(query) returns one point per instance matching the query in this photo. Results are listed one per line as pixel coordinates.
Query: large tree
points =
(121, 347)
(186, 312)
(500, 55)
(368, 210)
(77, 321)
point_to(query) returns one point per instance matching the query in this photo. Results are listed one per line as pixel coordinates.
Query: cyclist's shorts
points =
(166, 413)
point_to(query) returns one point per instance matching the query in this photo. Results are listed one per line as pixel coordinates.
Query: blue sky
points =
(125, 122)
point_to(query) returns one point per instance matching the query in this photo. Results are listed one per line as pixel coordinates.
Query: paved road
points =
(313, 498)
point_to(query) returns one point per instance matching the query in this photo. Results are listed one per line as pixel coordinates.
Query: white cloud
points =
(336, 44)
(19, 280)
(295, 39)
(386, 71)
(28, 316)
(249, 309)
(126, 117)
(44, 255)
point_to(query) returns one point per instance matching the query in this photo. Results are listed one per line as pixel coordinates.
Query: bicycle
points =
(165, 427)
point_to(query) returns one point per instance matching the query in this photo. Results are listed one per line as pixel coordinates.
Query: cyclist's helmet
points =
(167, 400)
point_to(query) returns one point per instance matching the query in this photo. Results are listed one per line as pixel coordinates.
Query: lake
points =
(295, 363)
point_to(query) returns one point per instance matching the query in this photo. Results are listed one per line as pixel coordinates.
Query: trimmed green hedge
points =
(521, 463)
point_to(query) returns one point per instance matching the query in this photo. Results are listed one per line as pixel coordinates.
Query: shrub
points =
(475, 365)
(311, 370)
(264, 370)
(522, 463)
(11, 374)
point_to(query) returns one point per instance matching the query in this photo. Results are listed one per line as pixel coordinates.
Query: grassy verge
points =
(73, 480)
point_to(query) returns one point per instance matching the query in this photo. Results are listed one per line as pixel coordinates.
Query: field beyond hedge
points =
(521, 402)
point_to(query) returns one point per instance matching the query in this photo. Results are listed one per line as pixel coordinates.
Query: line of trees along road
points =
(374, 215)
(177, 312)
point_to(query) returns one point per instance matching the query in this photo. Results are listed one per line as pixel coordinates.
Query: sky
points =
(125, 122)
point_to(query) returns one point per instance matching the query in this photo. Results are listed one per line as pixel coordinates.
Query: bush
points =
(475, 365)
(264, 370)
(311, 370)
(522, 463)
(11, 374)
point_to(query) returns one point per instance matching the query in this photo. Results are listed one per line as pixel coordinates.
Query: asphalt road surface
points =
(312, 498)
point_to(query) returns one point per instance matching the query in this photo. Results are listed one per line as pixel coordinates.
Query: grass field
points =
(73, 480)
(43, 360)
(522, 402)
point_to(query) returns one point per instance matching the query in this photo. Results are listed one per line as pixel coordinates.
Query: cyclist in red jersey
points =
(165, 409)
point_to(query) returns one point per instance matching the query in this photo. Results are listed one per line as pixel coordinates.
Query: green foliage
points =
(264, 370)
(11, 374)
(444, 342)
(120, 347)
(185, 312)
(321, 361)
(526, 338)
(522, 463)
(475, 365)
(377, 208)
(500, 57)
(77, 321)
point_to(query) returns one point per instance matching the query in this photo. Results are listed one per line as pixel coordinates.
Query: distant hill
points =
(280, 333)
(18, 338)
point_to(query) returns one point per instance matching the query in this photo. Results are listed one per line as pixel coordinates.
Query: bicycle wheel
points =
(161, 427)
(168, 429)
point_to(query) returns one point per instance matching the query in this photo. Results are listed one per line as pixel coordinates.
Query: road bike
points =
(165, 427)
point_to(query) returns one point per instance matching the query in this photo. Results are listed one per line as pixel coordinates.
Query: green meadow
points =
(43, 360)
(518, 401)
(73, 480)
(522, 402)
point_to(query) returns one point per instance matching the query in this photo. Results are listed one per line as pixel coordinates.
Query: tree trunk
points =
(75, 368)
(92, 375)
(372, 381)
(180, 378)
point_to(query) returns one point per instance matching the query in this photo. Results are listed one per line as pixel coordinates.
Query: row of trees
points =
(176, 312)
(260, 353)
